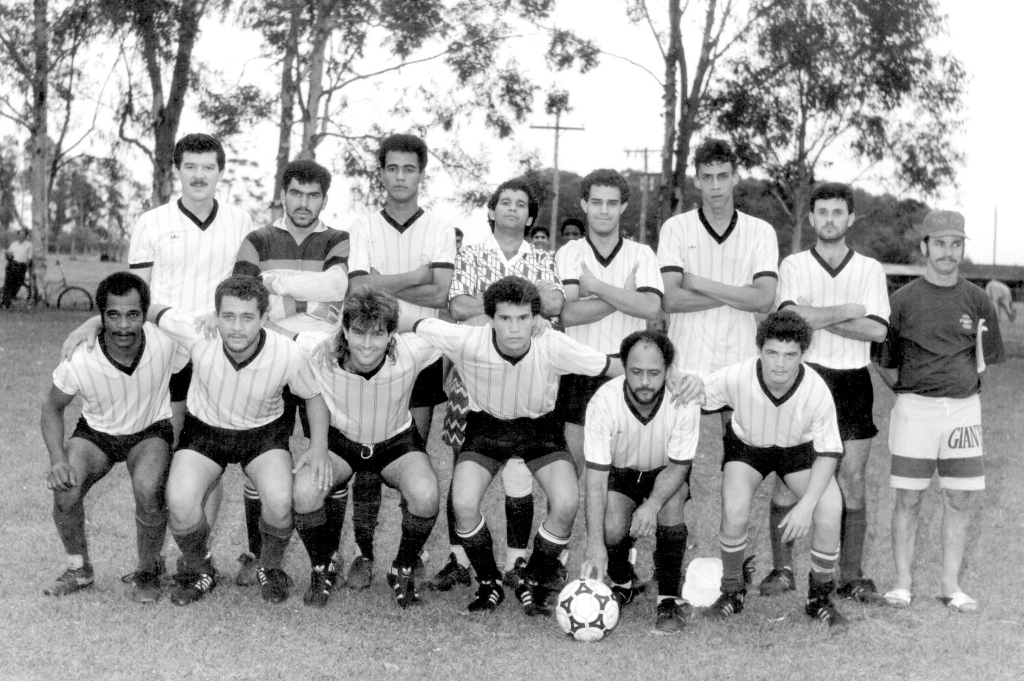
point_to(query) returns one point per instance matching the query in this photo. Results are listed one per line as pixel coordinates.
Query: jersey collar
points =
(605, 262)
(201, 224)
(320, 226)
(127, 370)
(633, 410)
(508, 358)
(711, 230)
(828, 268)
(238, 366)
(779, 401)
(401, 226)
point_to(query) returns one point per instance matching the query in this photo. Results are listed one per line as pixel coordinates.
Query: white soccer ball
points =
(586, 610)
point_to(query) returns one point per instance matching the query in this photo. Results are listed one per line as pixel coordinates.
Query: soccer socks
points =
(823, 564)
(275, 542)
(415, 532)
(150, 532)
(334, 507)
(851, 544)
(366, 497)
(519, 521)
(782, 552)
(253, 513)
(668, 558)
(546, 549)
(732, 550)
(317, 536)
(192, 542)
(480, 548)
(71, 528)
(449, 513)
(618, 563)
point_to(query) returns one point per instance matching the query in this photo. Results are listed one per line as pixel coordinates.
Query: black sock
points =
(618, 562)
(253, 513)
(366, 498)
(150, 532)
(668, 558)
(851, 543)
(334, 508)
(71, 528)
(519, 521)
(275, 543)
(449, 512)
(316, 535)
(544, 559)
(480, 549)
(782, 552)
(415, 532)
(192, 542)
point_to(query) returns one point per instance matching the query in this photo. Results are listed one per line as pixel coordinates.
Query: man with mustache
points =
(943, 331)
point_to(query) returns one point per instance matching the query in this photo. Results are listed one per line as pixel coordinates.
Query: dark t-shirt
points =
(933, 338)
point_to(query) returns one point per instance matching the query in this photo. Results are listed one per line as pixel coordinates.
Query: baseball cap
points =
(703, 583)
(943, 223)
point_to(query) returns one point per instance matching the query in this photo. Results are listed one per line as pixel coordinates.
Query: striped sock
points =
(732, 550)
(823, 564)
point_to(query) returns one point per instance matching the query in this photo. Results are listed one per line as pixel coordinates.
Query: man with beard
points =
(843, 296)
(126, 416)
(639, 449)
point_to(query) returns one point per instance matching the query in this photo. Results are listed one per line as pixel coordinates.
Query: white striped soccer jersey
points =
(710, 339)
(189, 256)
(369, 408)
(806, 279)
(380, 243)
(616, 435)
(804, 414)
(119, 400)
(606, 334)
(511, 387)
(239, 396)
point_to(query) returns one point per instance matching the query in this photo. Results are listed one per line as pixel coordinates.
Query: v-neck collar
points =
(364, 375)
(129, 369)
(828, 268)
(779, 401)
(719, 239)
(508, 358)
(611, 256)
(633, 410)
(201, 224)
(401, 226)
(238, 366)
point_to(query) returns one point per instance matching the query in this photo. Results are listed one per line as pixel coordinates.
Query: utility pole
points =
(644, 189)
(558, 128)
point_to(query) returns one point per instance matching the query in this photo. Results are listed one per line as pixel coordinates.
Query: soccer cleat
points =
(70, 581)
(450, 576)
(861, 590)
(191, 586)
(778, 581)
(625, 593)
(146, 587)
(728, 604)
(247, 573)
(638, 584)
(321, 582)
(489, 596)
(671, 617)
(513, 577)
(402, 582)
(533, 598)
(821, 609)
(360, 573)
(273, 584)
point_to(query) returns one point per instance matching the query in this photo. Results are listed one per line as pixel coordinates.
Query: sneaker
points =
(821, 609)
(146, 587)
(191, 586)
(625, 593)
(402, 582)
(273, 584)
(728, 604)
(70, 581)
(861, 590)
(533, 598)
(450, 576)
(778, 581)
(671, 617)
(247, 573)
(321, 582)
(489, 596)
(360, 573)
(512, 578)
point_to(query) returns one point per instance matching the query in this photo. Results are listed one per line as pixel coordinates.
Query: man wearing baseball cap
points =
(942, 332)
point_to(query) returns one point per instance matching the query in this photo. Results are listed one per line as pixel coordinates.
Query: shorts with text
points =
(936, 434)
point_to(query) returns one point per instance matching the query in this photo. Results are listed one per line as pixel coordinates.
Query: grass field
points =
(101, 634)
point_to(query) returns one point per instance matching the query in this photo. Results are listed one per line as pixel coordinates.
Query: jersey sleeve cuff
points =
(883, 322)
(650, 289)
(831, 455)
(442, 266)
(672, 268)
(357, 273)
(159, 315)
(139, 265)
(786, 303)
(607, 366)
(570, 282)
(767, 273)
(598, 466)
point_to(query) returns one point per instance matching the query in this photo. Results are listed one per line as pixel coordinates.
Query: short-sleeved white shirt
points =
(189, 257)
(120, 400)
(616, 435)
(804, 414)
(710, 339)
(370, 408)
(606, 334)
(239, 396)
(480, 265)
(858, 279)
(380, 243)
(505, 387)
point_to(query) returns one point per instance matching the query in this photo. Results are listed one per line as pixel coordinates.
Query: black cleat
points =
(778, 581)
(246, 575)
(625, 593)
(533, 598)
(191, 586)
(273, 584)
(822, 610)
(671, 617)
(70, 581)
(728, 604)
(321, 582)
(861, 590)
(402, 582)
(146, 587)
(512, 578)
(489, 596)
(450, 576)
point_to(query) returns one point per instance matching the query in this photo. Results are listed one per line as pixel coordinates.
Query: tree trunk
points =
(801, 201)
(670, 99)
(321, 31)
(40, 144)
(284, 138)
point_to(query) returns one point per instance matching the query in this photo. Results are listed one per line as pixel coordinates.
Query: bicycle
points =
(64, 295)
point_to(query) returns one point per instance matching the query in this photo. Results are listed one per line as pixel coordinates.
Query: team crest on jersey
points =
(966, 322)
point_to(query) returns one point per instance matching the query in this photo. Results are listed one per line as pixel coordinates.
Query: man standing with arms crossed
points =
(942, 332)
(843, 296)
(720, 267)
(409, 252)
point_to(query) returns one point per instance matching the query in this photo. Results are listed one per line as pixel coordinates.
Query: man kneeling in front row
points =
(784, 422)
